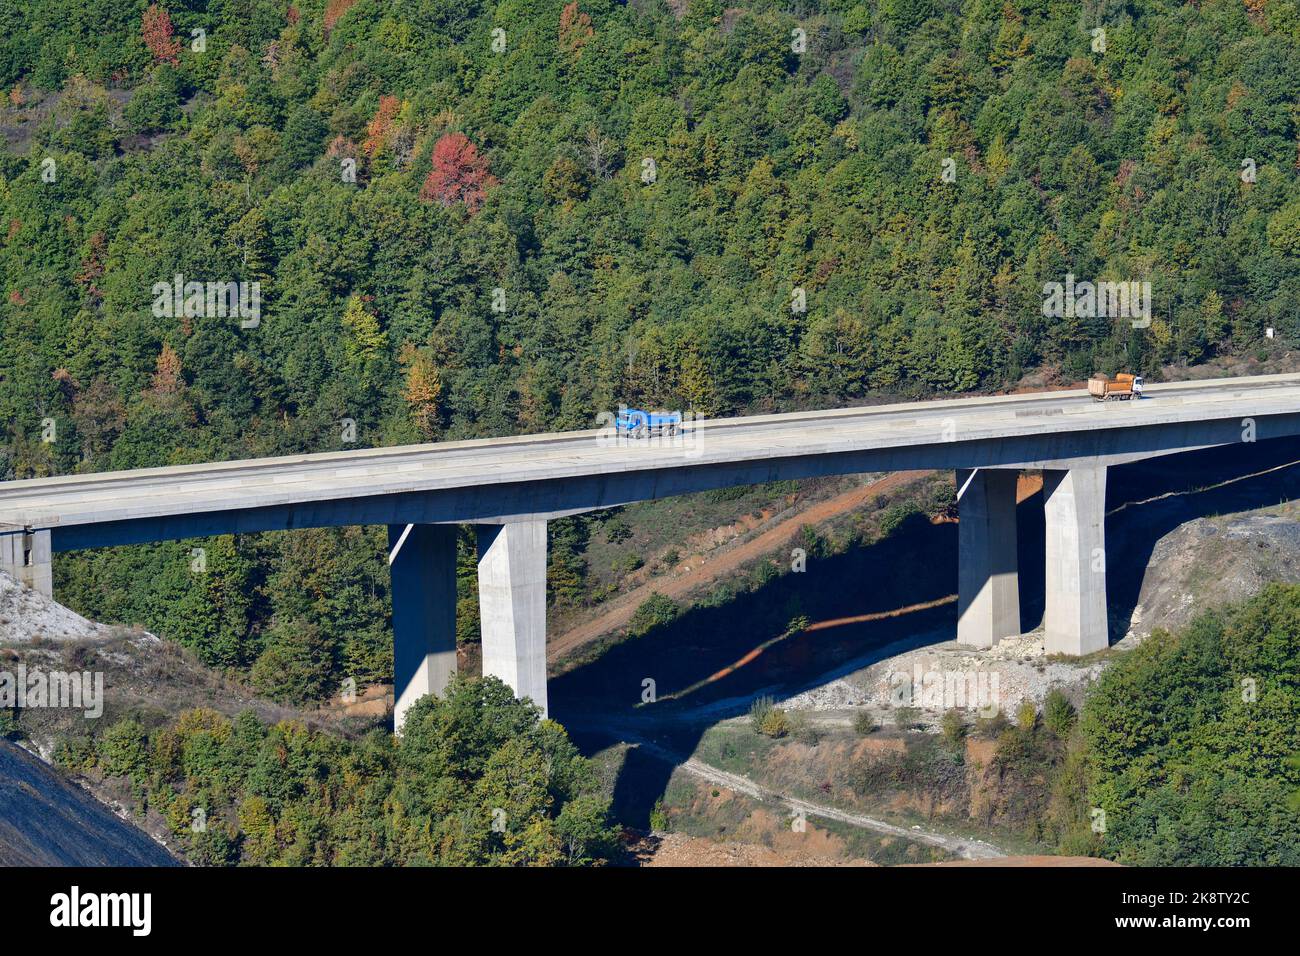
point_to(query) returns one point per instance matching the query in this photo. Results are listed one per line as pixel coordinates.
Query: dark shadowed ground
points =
(711, 662)
(46, 820)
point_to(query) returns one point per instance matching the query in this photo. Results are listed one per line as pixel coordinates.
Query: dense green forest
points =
(470, 219)
(1188, 749)
(475, 779)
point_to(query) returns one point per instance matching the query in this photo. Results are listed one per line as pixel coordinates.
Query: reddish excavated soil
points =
(677, 849)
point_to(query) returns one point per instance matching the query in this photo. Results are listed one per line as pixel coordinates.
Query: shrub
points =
(659, 817)
(124, 750)
(905, 718)
(990, 728)
(1058, 713)
(655, 611)
(155, 105)
(290, 795)
(814, 545)
(1026, 716)
(864, 723)
(625, 564)
(776, 724)
(894, 517)
(216, 845)
(927, 766)
(295, 667)
(768, 719)
(75, 753)
(804, 730)
(1190, 770)
(954, 728)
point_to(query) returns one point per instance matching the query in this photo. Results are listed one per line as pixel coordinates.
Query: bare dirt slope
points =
(678, 849)
(143, 675)
(1211, 562)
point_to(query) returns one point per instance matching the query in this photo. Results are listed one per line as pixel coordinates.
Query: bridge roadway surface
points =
(1026, 430)
(510, 488)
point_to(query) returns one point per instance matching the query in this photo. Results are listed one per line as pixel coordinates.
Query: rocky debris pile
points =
(943, 676)
(27, 615)
(1210, 562)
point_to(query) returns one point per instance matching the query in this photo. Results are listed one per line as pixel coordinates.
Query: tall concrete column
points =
(26, 556)
(1075, 615)
(423, 569)
(988, 573)
(512, 605)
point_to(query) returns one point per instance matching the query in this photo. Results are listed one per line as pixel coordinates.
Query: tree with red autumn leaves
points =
(379, 128)
(575, 29)
(159, 35)
(459, 174)
(333, 10)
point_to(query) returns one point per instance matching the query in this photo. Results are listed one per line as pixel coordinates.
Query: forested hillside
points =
(475, 779)
(470, 219)
(1189, 752)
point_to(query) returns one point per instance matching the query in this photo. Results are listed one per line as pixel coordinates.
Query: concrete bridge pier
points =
(1074, 618)
(422, 560)
(512, 605)
(26, 555)
(988, 575)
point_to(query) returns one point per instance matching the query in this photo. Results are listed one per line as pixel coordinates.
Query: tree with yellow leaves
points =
(423, 389)
(364, 341)
(167, 377)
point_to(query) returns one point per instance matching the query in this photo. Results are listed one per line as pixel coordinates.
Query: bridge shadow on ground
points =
(1135, 525)
(861, 606)
(710, 663)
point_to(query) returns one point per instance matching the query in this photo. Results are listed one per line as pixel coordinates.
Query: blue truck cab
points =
(642, 424)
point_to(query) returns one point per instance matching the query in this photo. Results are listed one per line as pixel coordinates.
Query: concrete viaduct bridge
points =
(510, 487)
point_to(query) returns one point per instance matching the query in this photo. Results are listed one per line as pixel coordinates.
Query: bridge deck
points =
(234, 485)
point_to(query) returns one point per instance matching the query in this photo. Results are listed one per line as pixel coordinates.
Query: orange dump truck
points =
(1123, 387)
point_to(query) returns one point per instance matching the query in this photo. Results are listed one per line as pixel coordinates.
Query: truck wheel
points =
(672, 431)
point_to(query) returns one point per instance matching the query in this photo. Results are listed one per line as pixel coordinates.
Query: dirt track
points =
(963, 847)
(618, 612)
